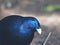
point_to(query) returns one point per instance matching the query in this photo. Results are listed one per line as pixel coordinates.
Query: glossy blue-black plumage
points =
(18, 30)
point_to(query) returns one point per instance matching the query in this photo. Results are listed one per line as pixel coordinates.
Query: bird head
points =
(36, 25)
(33, 23)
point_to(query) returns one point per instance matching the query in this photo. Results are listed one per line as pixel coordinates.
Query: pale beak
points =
(39, 30)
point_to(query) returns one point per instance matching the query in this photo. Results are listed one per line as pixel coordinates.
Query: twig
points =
(47, 38)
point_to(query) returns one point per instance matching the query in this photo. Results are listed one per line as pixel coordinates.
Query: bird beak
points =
(39, 31)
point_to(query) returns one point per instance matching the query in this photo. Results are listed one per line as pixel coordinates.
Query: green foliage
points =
(50, 8)
(57, 6)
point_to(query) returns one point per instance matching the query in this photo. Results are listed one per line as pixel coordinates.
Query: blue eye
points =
(37, 25)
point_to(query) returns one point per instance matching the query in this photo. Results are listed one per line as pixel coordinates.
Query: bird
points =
(18, 30)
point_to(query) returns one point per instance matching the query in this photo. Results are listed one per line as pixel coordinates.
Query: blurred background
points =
(46, 11)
